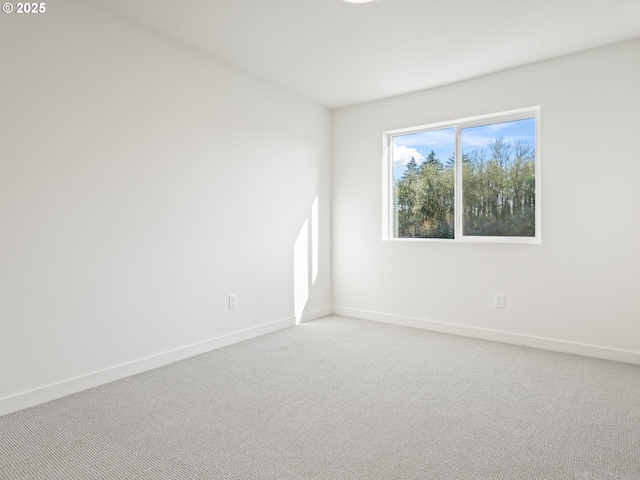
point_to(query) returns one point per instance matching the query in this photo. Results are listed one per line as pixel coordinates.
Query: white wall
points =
(140, 184)
(581, 286)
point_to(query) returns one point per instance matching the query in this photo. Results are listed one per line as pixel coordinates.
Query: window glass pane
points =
(498, 179)
(423, 184)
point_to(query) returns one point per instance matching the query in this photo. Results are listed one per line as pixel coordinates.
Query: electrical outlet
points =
(233, 301)
(499, 300)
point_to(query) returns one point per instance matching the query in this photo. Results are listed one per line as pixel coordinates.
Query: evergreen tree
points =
(412, 167)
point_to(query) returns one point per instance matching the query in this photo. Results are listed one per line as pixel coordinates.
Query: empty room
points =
(320, 239)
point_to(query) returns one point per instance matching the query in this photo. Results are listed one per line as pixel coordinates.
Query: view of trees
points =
(498, 191)
(425, 199)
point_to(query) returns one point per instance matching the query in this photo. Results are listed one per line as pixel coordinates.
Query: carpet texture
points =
(340, 398)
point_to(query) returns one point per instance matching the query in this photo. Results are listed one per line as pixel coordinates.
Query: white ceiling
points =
(340, 54)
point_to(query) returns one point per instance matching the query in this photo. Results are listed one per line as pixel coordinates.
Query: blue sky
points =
(442, 142)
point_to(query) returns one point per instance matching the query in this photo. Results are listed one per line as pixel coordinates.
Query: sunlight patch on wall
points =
(314, 241)
(301, 271)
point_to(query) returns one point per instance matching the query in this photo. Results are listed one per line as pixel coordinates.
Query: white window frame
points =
(388, 233)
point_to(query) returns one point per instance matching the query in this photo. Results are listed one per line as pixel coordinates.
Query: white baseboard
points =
(496, 335)
(63, 388)
(315, 314)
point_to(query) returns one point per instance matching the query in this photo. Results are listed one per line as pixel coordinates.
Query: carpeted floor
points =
(340, 398)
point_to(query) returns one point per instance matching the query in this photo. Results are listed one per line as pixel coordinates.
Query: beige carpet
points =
(339, 398)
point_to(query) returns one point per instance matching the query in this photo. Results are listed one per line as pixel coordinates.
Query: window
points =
(491, 195)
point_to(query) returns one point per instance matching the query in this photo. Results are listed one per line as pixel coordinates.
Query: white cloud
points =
(403, 154)
(472, 142)
(434, 139)
(496, 127)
